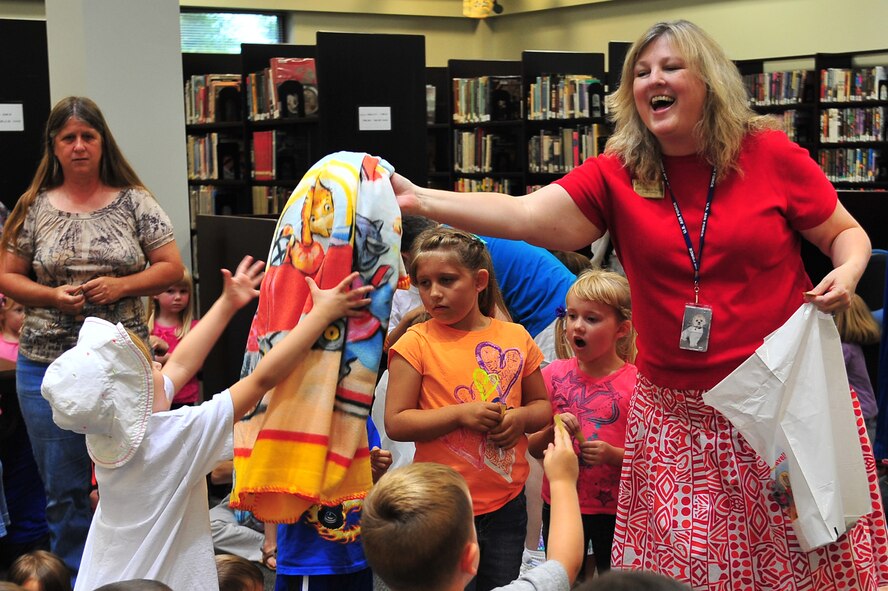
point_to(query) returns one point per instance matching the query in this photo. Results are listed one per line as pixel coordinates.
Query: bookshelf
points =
(487, 140)
(249, 161)
(564, 121)
(438, 125)
(834, 105)
(516, 125)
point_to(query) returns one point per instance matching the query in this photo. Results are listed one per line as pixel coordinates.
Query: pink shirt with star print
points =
(601, 406)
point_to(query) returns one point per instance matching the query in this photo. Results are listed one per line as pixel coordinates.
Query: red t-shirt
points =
(752, 273)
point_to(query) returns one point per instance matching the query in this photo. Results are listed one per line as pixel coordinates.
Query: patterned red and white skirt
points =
(695, 505)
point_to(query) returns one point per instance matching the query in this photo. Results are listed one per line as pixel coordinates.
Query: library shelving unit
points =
(438, 123)
(279, 149)
(208, 190)
(853, 96)
(487, 125)
(834, 105)
(564, 112)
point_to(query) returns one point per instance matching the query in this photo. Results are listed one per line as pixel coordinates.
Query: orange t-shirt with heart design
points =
(460, 366)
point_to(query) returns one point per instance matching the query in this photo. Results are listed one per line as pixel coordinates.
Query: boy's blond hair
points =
(415, 525)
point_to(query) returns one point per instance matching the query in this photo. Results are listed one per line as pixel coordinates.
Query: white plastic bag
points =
(791, 402)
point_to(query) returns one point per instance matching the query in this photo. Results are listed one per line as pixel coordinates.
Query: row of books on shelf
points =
(796, 124)
(487, 98)
(213, 200)
(212, 157)
(853, 84)
(270, 200)
(852, 165)
(479, 150)
(212, 98)
(210, 200)
(280, 154)
(497, 185)
(565, 96)
(558, 151)
(852, 124)
(780, 88)
(288, 87)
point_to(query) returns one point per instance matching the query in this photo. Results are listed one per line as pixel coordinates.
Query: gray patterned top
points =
(72, 248)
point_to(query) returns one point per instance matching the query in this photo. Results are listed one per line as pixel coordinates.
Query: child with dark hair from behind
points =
(238, 574)
(419, 533)
(857, 327)
(40, 570)
(632, 581)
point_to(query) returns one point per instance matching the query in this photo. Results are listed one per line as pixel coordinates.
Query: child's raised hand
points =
(479, 416)
(243, 286)
(596, 452)
(339, 301)
(509, 431)
(559, 460)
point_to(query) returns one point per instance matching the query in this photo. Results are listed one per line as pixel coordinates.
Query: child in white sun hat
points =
(152, 520)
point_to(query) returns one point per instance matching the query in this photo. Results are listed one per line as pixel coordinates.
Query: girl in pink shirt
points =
(169, 320)
(12, 316)
(590, 387)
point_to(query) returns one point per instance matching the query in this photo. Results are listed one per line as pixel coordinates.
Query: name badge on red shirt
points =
(649, 190)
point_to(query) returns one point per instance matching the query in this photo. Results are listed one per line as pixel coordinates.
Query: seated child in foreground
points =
(418, 527)
(151, 463)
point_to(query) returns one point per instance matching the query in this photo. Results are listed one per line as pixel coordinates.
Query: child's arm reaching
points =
(237, 291)
(566, 529)
(405, 422)
(539, 441)
(327, 306)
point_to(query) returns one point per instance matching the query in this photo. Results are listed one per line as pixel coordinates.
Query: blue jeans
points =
(63, 464)
(501, 539)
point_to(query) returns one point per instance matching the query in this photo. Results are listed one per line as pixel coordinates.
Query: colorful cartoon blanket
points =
(306, 442)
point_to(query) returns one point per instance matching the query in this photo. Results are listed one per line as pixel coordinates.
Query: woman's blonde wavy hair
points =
(727, 117)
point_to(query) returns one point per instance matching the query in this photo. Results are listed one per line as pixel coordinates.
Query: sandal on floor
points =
(269, 559)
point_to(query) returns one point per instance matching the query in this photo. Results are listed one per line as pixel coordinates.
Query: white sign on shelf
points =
(12, 117)
(374, 118)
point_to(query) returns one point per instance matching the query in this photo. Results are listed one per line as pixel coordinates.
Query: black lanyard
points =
(696, 257)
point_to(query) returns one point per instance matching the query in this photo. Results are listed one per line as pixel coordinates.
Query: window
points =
(223, 32)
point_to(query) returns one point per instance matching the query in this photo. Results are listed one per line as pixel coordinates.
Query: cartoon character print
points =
(340, 523)
(594, 407)
(497, 373)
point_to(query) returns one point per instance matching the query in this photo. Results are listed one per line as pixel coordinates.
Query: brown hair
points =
(856, 323)
(470, 252)
(607, 287)
(727, 116)
(415, 525)
(44, 567)
(114, 170)
(237, 573)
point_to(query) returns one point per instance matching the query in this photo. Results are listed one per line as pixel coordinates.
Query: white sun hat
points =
(102, 387)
